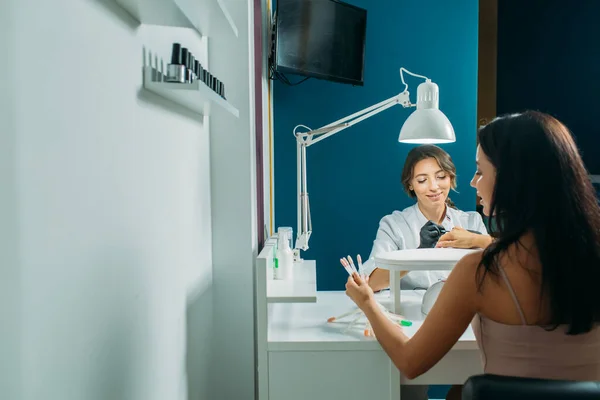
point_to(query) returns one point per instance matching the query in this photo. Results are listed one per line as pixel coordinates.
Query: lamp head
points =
(427, 124)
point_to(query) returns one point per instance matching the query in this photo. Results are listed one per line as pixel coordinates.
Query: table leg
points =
(395, 294)
(395, 291)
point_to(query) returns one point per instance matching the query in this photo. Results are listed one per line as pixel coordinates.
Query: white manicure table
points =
(301, 356)
(416, 260)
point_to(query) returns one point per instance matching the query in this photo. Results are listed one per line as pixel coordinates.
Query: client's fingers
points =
(447, 236)
(357, 278)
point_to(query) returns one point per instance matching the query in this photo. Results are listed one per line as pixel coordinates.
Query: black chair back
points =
(494, 387)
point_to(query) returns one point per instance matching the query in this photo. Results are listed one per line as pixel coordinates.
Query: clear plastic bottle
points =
(285, 257)
(274, 274)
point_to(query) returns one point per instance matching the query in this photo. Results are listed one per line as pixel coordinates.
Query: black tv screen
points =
(323, 39)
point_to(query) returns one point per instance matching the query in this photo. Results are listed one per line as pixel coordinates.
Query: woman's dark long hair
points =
(542, 187)
(423, 152)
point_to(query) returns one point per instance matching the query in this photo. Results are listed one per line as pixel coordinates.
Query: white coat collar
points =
(446, 223)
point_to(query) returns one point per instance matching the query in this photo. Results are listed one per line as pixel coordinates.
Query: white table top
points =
(421, 259)
(301, 289)
(294, 326)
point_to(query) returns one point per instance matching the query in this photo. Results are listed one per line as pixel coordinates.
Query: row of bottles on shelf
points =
(184, 68)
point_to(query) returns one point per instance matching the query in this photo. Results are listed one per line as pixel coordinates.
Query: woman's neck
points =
(435, 214)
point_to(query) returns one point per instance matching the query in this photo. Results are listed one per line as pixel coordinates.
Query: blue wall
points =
(354, 176)
(549, 60)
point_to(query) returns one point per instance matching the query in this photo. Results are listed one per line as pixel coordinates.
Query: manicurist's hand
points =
(360, 292)
(429, 235)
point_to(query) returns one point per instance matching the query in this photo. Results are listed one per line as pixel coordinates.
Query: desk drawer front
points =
(326, 375)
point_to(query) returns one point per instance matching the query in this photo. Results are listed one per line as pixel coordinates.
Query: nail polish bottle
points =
(185, 61)
(176, 71)
(209, 80)
(191, 68)
(199, 71)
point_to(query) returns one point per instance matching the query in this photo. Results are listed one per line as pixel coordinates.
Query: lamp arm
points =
(306, 139)
(313, 136)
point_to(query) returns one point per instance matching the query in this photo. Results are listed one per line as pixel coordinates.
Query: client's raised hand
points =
(461, 238)
(359, 291)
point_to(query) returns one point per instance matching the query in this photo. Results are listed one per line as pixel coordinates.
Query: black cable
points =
(278, 76)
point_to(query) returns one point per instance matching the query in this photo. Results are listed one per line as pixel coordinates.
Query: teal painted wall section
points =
(354, 176)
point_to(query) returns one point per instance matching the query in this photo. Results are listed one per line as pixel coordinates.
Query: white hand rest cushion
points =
(431, 296)
(421, 259)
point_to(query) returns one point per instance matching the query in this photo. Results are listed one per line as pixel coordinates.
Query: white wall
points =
(10, 296)
(233, 181)
(109, 192)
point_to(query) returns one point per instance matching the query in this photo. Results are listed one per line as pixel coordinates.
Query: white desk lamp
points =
(427, 124)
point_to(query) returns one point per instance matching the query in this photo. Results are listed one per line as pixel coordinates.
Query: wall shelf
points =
(196, 96)
(301, 289)
(195, 14)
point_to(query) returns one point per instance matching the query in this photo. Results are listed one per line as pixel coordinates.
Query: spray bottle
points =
(285, 257)
(274, 274)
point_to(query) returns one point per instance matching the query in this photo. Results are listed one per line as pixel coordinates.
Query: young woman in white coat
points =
(427, 176)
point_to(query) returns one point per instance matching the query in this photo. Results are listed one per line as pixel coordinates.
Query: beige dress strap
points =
(513, 295)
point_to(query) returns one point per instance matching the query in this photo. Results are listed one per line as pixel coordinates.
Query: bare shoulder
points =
(469, 263)
(460, 289)
(463, 277)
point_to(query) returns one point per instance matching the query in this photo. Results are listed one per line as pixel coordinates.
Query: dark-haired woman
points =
(532, 313)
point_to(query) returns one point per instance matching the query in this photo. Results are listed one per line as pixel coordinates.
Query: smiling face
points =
(484, 180)
(430, 183)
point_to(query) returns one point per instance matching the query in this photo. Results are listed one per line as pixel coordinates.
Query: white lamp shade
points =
(427, 124)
